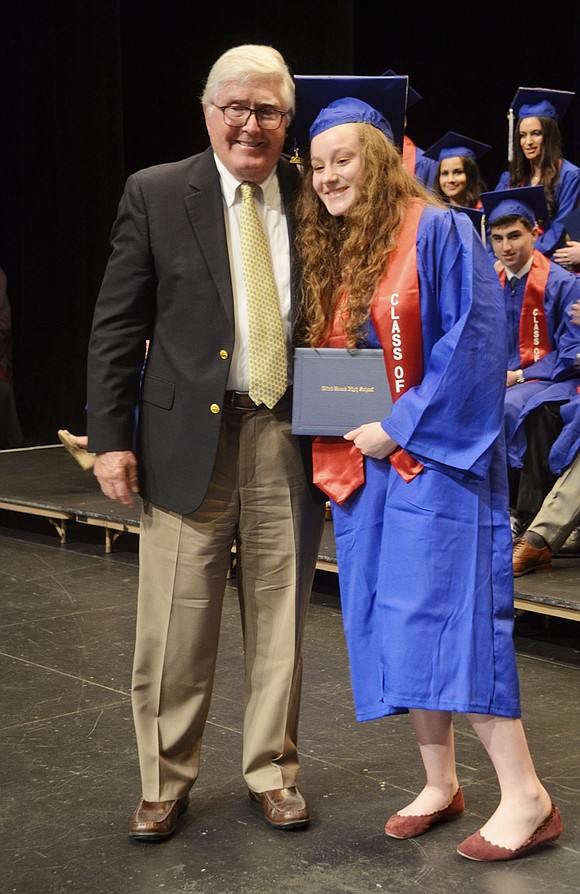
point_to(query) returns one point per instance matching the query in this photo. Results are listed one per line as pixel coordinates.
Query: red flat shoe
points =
(410, 826)
(476, 847)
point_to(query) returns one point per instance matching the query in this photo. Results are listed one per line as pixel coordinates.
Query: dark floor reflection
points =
(69, 767)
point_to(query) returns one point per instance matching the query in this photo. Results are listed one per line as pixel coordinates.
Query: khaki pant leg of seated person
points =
(560, 511)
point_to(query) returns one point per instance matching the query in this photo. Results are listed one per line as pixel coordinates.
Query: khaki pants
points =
(560, 511)
(258, 495)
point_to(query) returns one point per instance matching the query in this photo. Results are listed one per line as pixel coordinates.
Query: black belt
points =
(240, 400)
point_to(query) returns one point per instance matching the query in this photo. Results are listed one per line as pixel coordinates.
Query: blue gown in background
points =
(556, 376)
(425, 567)
(567, 198)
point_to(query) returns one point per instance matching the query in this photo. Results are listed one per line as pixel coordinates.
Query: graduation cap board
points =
(525, 201)
(536, 102)
(477, 218)
(314, 92)
(413, 96)
(454, 144)
(572, 225)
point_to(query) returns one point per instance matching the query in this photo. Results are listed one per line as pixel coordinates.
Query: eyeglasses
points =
(238, 116)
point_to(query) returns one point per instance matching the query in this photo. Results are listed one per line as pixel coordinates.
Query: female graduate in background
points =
(458, 179)
(419, 499)
(536, 158)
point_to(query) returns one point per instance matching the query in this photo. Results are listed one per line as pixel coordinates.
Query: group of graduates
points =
(530, 224)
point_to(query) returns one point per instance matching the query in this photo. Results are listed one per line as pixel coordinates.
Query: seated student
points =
(559, 513)
(458, 179)
(414, 159)
(536, 157)
(542, 339)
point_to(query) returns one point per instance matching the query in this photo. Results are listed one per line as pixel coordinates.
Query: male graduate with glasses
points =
(201, 266)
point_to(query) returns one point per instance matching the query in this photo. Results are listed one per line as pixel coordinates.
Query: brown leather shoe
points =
(528, 558)
(156, 820)
(284, 808)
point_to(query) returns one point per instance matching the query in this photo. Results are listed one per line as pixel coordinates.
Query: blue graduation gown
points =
(425, 567)
(566, 447)
(556, 373)
(567, 198)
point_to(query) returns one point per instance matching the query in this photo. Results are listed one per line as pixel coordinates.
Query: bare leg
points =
(524, 802)
(434, 732)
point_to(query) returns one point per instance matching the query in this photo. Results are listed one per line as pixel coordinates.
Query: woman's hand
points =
(371, 440)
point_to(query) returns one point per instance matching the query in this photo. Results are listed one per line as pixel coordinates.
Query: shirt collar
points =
(522, 271)
(230, 185)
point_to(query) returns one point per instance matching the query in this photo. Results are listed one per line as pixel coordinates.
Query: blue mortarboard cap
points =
(476, 216)
(385, 95)
(572, 225)
(348, 110)
(537, 102)
(412, 95)
(456, 144)
(525, 201)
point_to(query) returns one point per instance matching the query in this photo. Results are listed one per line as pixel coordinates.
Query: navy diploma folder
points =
(338, 389)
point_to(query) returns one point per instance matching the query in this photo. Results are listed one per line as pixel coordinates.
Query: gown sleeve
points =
(452, 419)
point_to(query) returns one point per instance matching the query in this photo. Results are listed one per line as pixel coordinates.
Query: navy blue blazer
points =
(168, 280)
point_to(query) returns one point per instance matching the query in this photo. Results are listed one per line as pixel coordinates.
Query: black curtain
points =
(95, 89)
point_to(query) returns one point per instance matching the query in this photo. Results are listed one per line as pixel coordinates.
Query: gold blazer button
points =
(224, 355)
(215, 408)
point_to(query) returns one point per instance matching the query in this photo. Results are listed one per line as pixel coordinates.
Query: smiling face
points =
(248, 152)
(336, 158)
(531, 136)
(453, 180)
(513, 244)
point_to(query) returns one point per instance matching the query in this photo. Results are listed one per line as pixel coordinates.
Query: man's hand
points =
(116, 472)
(371, 440)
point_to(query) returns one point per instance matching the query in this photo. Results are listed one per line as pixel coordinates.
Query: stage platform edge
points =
(45, 481)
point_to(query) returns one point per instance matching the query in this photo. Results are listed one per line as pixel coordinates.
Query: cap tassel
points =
(296, 159)
(510, 135)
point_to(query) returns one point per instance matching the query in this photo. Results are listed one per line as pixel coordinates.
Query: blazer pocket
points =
(158, 392)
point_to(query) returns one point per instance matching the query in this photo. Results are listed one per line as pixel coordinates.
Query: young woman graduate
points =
(536, 158)
(419, 499)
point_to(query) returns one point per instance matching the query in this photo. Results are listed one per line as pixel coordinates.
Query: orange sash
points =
(395, 312)
(533, 332)
(409, 155)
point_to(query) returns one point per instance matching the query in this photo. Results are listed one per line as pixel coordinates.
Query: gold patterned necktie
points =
(267, 343)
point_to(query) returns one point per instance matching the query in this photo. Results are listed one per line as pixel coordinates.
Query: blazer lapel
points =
(205, 209)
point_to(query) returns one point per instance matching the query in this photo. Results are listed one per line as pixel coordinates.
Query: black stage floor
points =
(47, 482)
(69, 767)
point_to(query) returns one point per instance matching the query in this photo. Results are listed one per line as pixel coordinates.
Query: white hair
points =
(244, 63)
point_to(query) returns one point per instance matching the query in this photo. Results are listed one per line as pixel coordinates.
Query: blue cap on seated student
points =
(413, 97)
(387, 96)
(539, 102)
(523, 201)
(414, 159)
(456, 145)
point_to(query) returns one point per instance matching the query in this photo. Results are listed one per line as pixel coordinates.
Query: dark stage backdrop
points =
(95, 89)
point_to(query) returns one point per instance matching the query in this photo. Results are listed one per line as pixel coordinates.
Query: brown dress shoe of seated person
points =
(527, 557)
(156, 820)
(284, 808)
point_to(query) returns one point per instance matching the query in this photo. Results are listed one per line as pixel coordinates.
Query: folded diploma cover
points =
(338, 389)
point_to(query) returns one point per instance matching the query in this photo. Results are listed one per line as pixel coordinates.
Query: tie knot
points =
(248, 189)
